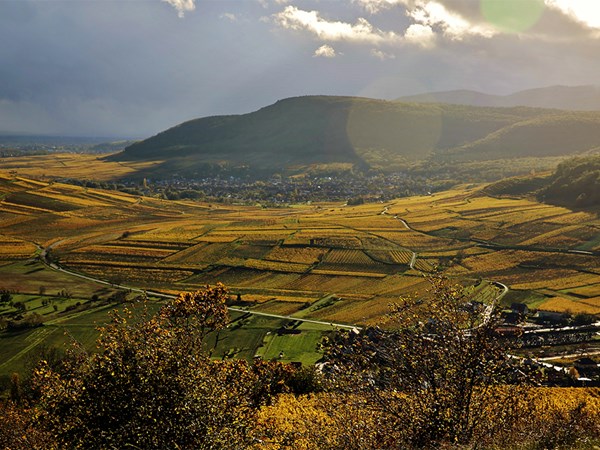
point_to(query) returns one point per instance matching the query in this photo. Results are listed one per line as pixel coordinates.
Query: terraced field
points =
(328, 262)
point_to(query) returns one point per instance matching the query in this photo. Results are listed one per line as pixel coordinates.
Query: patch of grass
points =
(293, 347)
(531, 298)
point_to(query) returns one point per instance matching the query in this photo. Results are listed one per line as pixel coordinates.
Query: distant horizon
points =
(112, 138)
(116, 68)
(100, 139)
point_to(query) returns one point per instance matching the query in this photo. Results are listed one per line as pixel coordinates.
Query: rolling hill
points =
(574, 98)
(367, 133)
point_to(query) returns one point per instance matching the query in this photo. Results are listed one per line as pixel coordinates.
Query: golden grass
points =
(417, 241)
(391, 256)
(70, 165)
(556, 279)
(16, 249)
(587, 291)
(424, 265)
(280, 306)
(348, 257)
(20, 208)
(114, 252)
(260, 264)
(348, 273)
(354, 311)
(218, 238)
(145, 275)
(571, 217)
(493, 261)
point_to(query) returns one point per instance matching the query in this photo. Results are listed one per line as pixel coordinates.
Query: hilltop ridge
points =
(366, 133)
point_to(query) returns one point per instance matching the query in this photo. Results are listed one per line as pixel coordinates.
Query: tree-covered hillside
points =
(369, 133)
(576, 182)
(550, 135)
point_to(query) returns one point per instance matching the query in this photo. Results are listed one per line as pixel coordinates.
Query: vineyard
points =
(287, 260)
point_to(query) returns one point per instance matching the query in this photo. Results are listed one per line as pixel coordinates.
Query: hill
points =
(575, 183)
(314, 130)
(296, 133)
(575, 98)
(551, 135)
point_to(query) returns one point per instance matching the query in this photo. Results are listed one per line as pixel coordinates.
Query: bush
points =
(31, 320)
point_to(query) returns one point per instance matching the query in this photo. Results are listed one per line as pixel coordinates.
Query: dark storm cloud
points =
(136, 60)
(113, 67)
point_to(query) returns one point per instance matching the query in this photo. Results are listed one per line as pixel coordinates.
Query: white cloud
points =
(586, 12)
(229, 16)
(182, 6)
(379, 54)
(374, 6)
(421, 35)
(325, 51)
(361, 31)
(453, 25)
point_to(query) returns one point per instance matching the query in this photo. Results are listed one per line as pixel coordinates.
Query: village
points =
(557, 349)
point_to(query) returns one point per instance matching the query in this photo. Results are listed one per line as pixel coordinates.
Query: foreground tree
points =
(152, 384)
(436, 372)
(18, 430)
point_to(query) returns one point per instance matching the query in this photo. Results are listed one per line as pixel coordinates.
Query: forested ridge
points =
(576, 182)
(367, 133)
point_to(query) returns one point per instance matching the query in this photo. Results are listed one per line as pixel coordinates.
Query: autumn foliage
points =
(435, 375)
(152, 385)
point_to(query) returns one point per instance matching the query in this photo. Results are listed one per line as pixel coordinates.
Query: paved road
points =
(54, 266)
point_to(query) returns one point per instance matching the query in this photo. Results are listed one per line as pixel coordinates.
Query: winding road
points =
(46, 260)
(52, 265)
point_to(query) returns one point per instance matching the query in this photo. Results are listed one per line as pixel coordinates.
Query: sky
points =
(132, 68)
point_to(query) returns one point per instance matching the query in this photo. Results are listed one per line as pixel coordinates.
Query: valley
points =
(304, 268)
(300, 225)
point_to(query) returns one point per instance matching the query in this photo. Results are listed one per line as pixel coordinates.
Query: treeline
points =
(576, 183)
(436, 375)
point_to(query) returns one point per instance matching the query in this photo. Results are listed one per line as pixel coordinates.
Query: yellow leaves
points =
(207, 308)
(295, 423)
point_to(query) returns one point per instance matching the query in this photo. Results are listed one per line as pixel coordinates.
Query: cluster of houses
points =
(546, 330)
(520, 314)
(283, 190)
